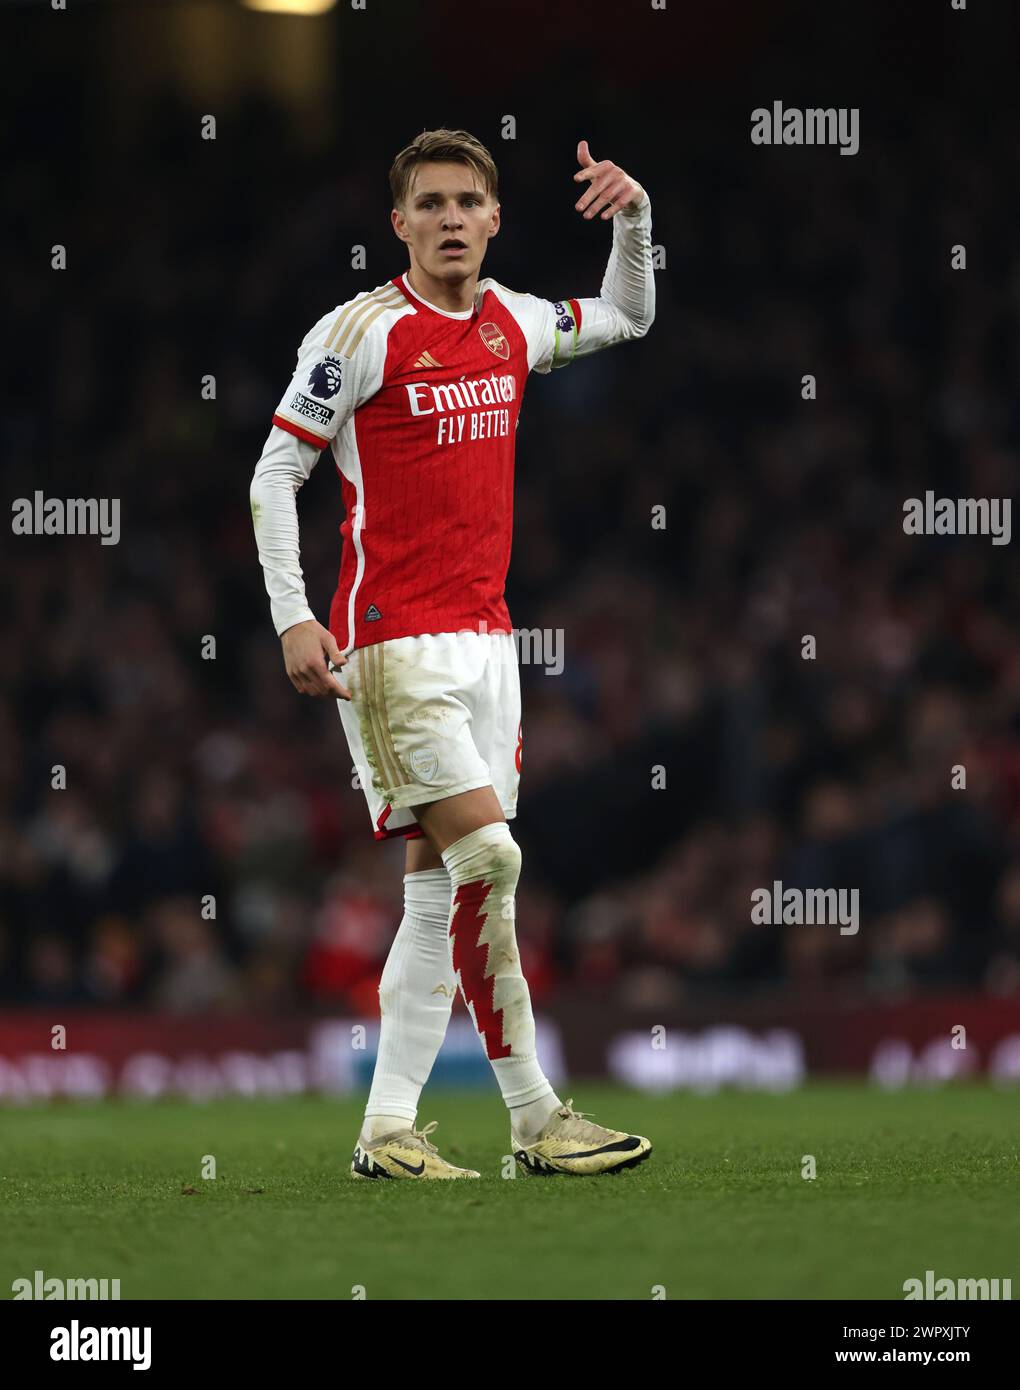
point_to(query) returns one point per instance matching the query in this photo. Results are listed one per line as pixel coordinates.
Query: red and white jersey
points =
(419, 406)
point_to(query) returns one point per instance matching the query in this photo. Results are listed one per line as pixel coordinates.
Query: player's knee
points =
(506, 855)
(490, 852)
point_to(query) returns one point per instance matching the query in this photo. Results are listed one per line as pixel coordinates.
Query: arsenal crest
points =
(424, 763)
(494, 339)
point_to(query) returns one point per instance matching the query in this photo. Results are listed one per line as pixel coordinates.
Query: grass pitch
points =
(905, 1182)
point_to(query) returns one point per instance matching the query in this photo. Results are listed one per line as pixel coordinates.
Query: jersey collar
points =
(446, 313)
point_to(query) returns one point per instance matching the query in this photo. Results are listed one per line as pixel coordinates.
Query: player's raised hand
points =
(305, 649)
(611, 188)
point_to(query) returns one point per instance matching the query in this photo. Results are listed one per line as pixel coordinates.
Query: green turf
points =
(906, 1182)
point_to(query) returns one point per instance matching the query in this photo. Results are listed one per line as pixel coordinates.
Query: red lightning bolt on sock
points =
(470, 960)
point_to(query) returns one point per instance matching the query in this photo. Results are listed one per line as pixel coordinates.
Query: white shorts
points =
(431, 716)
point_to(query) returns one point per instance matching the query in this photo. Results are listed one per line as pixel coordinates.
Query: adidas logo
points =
(427, 360)
(372, 614)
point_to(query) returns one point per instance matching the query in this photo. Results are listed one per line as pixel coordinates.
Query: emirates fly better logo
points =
(458, 406)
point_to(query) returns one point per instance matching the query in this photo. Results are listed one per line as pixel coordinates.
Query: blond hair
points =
(447, 146)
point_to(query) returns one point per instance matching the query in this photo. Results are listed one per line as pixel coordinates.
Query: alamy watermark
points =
(39, 1287)
(995, 1290)
(536, 646)
(959, 516)
(779, 906)
(794, 125)
(78, 1343)
(72, 516)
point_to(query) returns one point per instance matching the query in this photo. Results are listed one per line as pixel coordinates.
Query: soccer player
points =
(416, 388)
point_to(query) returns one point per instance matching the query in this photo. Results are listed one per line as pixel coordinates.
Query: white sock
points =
(484, 868)
(528, 1121)
(375, 1126)
(415, 999)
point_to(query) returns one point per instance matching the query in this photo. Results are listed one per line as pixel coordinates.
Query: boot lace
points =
(420, 1140)
(575, 1125)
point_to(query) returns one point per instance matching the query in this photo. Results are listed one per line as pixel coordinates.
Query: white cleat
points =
(406, 1153)
(569, 1143)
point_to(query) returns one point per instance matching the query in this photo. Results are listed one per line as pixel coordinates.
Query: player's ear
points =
(494, 221)
(399, 223)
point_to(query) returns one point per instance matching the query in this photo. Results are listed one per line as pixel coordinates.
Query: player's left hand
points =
(612, 189)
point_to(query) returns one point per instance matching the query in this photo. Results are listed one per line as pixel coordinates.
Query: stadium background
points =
(682, 646)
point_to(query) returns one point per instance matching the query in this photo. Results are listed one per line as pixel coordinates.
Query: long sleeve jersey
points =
(419, 407)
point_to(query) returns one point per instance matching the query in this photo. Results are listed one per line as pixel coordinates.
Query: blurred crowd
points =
(209, 850)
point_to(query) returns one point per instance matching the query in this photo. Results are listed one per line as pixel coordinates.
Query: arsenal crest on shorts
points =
(424, 764)
(494, 339)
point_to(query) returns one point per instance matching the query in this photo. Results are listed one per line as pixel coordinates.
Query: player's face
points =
(447, 220)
